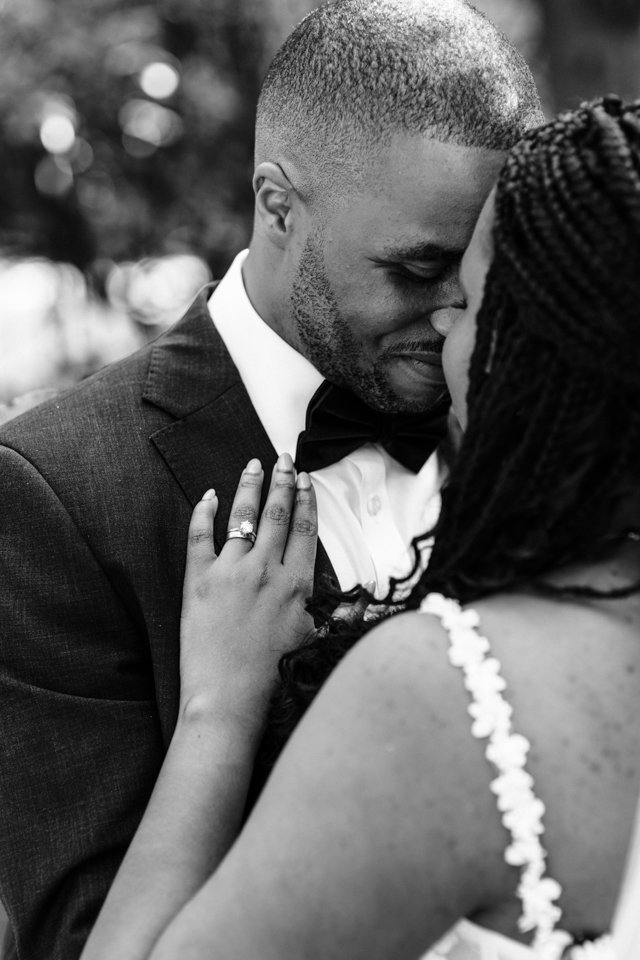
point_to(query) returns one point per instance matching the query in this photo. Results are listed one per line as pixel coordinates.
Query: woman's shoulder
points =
(546, 631)
(571, 670)
(399, 696)
(571, 675)
(402, 665)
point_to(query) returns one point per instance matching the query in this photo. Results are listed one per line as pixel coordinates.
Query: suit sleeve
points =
(80, 744)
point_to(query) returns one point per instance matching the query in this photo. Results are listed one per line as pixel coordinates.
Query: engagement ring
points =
(244, 532)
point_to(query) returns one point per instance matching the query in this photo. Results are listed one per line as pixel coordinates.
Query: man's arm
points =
(79, 733)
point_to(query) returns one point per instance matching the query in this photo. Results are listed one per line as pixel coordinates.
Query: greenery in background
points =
(147, 173)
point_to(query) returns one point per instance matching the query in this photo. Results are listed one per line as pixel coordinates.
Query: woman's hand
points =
(242, 610)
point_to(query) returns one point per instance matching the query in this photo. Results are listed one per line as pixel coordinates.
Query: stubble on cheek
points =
(326, 337)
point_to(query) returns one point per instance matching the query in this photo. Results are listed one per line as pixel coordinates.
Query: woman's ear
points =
(274, 199)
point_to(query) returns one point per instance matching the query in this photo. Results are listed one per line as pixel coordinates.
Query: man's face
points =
(376, 287)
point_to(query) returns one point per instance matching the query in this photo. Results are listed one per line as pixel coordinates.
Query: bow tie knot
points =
(384, 434)
(338, 422)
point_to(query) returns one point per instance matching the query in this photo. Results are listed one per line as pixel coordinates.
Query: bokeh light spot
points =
(140, 149)
(57, 133)
(156, 291)
(150, 123)
(53, 176)
(81, 155)
(159, 80)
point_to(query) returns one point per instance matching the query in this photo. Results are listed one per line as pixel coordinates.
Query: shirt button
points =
(374, 504)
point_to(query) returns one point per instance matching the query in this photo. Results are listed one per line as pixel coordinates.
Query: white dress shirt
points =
(369, 506)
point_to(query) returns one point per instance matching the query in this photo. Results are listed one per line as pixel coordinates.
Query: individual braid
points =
(553, 400)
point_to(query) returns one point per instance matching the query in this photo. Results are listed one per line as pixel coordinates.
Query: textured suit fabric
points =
(96, 492)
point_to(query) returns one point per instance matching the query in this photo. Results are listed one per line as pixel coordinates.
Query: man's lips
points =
(425, 365)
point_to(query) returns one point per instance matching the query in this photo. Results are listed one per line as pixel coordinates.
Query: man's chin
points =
(392, 400)
(400, 387)
(410, 397)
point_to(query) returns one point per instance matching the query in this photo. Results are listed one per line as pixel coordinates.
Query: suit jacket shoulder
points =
(96, 491)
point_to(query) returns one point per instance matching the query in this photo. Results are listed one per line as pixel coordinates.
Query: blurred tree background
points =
(127, 128)
(126, 135)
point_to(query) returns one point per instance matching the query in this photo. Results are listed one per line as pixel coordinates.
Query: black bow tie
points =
(338, 422)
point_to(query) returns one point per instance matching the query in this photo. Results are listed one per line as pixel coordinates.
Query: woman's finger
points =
(302, 542)
(243, 519)
(276, 516)
(200, 545)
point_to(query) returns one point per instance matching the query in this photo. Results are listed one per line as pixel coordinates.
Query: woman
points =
(385, 821)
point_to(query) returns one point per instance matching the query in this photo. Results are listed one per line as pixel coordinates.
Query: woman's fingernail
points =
(285, 463)
(210, 495)
(303, 481)
(254, 466)
(370, 586)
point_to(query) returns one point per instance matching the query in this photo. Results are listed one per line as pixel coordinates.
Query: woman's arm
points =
(241, 611)
(377, 829)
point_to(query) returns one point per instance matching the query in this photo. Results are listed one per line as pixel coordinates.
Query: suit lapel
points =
(210, 448)
(216, 430)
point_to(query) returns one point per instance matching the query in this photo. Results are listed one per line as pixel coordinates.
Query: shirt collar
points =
(279, 380)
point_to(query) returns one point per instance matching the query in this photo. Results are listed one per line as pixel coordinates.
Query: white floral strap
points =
(521, 810)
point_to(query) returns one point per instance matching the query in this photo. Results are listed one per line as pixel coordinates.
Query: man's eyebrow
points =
(421, 251)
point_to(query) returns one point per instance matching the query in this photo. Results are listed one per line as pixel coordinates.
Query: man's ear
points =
(274, 198)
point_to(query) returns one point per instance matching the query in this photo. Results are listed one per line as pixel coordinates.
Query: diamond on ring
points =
(243, 532)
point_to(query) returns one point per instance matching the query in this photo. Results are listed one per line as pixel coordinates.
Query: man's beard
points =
(329, 344)
(327, 339)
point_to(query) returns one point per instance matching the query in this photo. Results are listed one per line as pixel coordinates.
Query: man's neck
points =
(258, 278)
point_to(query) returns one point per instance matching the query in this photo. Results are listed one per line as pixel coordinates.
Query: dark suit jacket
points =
(96, 492)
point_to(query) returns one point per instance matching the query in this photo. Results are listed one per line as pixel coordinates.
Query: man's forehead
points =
(411, 156)
(410, 221)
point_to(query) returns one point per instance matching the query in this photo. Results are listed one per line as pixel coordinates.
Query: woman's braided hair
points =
(554, 384)
(553, 400)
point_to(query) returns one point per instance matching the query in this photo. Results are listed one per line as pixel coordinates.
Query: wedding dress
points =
(522, 816)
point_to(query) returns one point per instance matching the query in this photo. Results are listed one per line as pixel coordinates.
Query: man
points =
(381, 127)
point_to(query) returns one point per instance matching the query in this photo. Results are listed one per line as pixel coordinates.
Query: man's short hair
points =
(355, 71)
